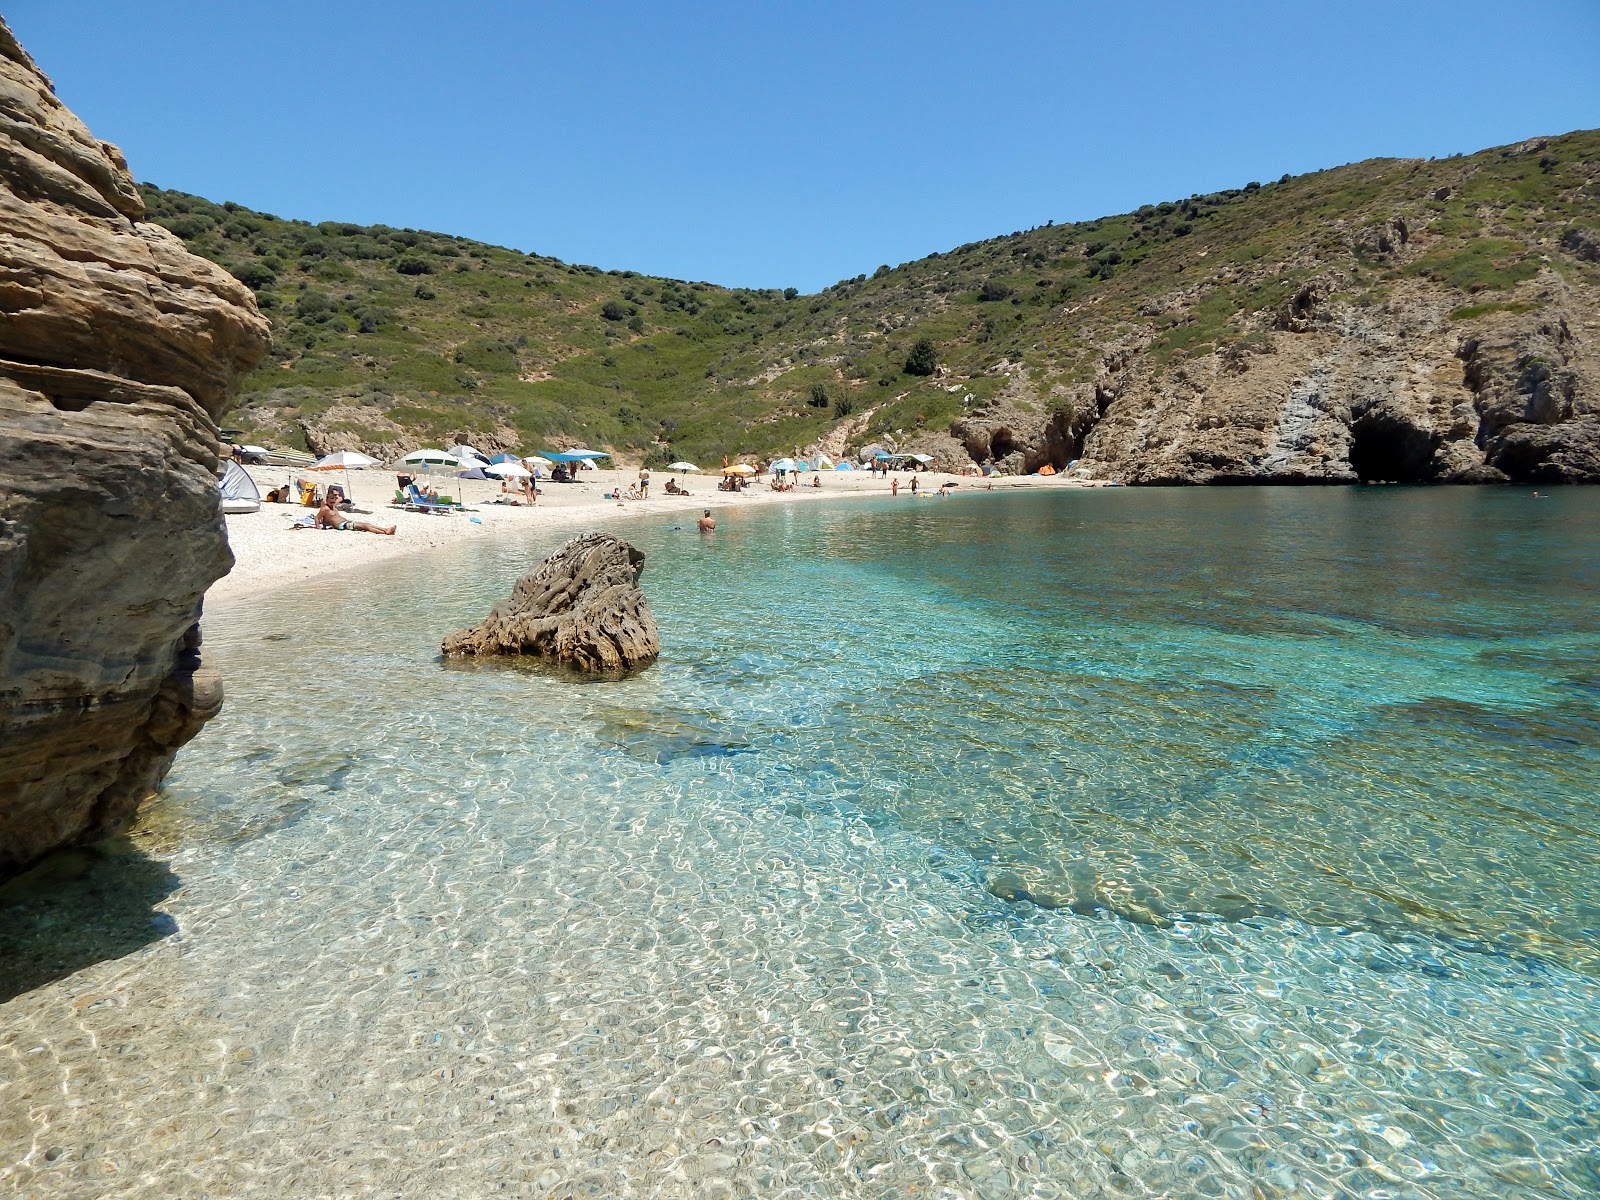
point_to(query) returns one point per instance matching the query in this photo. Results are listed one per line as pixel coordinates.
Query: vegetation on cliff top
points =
(413, 337)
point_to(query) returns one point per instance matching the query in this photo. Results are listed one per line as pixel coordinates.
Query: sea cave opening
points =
(1386, 450)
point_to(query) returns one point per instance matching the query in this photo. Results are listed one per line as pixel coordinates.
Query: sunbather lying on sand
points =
(329, 518)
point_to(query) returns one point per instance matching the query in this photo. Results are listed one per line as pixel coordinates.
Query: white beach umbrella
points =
(346, 461)
(538, 460)
(508, 470)
(781, 464)
(343, 460)
(428, 459)
(682, 466)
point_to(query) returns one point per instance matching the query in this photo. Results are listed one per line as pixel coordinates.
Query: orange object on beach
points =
(1047, 469)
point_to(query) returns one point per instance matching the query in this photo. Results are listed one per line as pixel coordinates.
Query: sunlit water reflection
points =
(1222, 843)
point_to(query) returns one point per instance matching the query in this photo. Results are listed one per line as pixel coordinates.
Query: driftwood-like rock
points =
(118, 350)
(582, 606)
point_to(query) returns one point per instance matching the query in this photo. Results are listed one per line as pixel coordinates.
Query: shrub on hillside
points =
(923, 359)
(611, 310)
(411, 266)
(993, 289)
(255, 276)
(819, 396)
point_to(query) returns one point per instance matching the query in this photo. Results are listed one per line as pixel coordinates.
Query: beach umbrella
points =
(346, 461)
(682, 466)
(508, 470)
(428, 459)
(343, 460)
(781, 464)
(739, 469)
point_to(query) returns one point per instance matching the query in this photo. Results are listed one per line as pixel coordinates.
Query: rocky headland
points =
(118, 351)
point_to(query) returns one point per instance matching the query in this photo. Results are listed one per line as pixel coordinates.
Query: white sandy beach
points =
(271, 553)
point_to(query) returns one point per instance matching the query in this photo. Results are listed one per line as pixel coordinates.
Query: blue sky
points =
(773, 144)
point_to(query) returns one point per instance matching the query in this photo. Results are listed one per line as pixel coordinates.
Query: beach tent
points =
(471, 473)
(505, 458)
(844, 466)
(239, 491)
(824, 462)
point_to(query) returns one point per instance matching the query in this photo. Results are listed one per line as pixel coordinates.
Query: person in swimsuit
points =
(328, 518)
(707, 523)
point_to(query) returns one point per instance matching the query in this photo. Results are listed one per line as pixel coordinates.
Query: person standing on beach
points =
(894, 486)
(644, 483)
(707, 523)
(913, 485)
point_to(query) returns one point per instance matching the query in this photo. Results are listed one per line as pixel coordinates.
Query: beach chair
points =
(415, 501)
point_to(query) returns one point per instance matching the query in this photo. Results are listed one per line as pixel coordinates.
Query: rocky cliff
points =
(118, 350)
(1411, 333)
(1339, 390)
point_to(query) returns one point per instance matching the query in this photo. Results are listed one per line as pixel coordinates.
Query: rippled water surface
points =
(1123, 843)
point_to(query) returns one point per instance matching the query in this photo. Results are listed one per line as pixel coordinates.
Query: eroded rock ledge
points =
(581, 607)
(118, 350)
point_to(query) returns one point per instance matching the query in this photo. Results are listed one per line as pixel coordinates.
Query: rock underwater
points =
(582, 607)
(118, 351)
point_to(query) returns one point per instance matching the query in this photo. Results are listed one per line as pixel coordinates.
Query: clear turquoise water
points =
(1221, 843)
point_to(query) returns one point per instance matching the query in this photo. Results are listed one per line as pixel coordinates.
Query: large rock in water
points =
(118, 350)
(582, 606)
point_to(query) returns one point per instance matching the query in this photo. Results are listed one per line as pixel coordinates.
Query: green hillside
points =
(403, 337)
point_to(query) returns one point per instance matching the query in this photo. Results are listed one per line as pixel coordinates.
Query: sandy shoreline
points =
(270, 553)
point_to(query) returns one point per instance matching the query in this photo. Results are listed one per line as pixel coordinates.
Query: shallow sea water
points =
(1127, 843)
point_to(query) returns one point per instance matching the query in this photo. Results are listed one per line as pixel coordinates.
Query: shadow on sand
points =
(80, 907)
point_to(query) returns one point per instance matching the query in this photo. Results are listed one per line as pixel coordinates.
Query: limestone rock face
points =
(118, 350)
(1327, 391)
(582, 606)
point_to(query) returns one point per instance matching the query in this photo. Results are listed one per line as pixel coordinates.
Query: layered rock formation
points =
(581, 607)
(1347, 393)
(1400, 384)
(118, 349)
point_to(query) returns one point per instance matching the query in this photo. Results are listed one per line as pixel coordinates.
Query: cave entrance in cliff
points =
(1001, 443)
(1383, 450)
